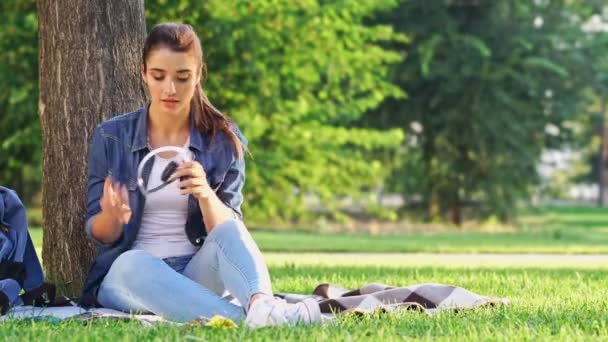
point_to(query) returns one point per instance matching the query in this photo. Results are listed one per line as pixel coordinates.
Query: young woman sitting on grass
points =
(176, 252)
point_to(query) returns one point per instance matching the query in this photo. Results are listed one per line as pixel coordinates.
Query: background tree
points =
(89, 69)
(20, 140)
(490, 84)
(593, 139)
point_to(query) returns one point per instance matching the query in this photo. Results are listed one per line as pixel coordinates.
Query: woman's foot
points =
(273, 312)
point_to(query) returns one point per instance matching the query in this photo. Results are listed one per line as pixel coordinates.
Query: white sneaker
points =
(274, 312)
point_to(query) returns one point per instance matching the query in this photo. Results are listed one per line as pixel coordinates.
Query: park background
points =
(453, 141)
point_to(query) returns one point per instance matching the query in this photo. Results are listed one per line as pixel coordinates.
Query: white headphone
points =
(182, 152)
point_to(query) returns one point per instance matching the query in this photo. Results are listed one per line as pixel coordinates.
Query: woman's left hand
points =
(195, 181)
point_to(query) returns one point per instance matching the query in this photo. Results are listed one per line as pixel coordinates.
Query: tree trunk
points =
(456, 214)
(603, 156)
(89, 70)
(434, 205)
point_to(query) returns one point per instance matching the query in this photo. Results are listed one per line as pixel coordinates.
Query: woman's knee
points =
(131, 265)
(229, 229)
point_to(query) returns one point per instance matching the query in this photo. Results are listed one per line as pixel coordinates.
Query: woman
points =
(176, 251)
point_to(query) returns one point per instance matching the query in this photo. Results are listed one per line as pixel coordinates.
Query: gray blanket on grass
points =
(333, 300)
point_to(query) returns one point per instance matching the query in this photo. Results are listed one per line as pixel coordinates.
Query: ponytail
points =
(209, 120)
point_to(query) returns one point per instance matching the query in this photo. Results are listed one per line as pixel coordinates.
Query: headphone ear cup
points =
(168, 171)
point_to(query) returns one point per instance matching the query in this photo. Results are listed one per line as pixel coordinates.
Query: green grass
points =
(575, 241)
(444, 242)
(422, 260)
(556, 304)
(549, 230)
(549, 300)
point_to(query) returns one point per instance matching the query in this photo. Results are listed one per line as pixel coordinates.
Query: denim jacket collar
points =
(140, 139)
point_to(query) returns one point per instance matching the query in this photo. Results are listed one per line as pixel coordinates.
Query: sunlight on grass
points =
(546, 230)
(437, 260)
(553, 297)
(546, 304)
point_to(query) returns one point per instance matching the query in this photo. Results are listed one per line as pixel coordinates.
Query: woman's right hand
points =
(115, 212)
(115, 202)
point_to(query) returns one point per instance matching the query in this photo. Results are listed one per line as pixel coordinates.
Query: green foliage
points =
(490, 84)
(295, 76)
(20, 135)
(588, 137)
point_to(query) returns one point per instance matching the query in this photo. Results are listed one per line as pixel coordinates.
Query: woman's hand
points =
(115, 202)
(195, 183)
(115, 212)
(194, 180)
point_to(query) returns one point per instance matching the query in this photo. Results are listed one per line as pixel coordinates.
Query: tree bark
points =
(89, 70)
(456, 213)
(603, 156)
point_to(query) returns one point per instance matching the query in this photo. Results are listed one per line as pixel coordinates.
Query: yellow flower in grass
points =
(218, 321)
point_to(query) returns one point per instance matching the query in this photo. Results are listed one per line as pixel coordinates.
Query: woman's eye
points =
(180, 79)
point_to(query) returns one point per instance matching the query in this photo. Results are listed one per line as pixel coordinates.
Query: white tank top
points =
(162, 231)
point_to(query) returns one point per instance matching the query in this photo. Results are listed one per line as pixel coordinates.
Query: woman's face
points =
(171, 78)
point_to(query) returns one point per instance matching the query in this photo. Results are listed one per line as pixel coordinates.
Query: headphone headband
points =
(182, 152)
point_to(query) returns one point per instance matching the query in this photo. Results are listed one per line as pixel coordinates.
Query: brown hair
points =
(182, 38)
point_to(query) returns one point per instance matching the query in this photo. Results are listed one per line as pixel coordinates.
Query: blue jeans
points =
(184, 288)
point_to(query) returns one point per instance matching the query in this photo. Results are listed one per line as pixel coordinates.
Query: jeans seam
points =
(238, 269)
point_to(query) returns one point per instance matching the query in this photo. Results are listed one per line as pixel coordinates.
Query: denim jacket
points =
(118, 145)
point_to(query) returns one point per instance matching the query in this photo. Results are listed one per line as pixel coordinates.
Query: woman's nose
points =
(170, 88)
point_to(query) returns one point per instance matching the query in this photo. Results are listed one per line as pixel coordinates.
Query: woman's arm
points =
(215, 207)
(214, 211)
(105, 202)
(108, 225)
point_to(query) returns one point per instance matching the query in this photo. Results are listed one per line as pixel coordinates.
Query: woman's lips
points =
(170, 103)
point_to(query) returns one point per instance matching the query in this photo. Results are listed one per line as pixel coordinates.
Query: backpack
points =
(20, 268)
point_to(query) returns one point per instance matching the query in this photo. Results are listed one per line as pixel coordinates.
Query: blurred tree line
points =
(490, 84)
(448, 102)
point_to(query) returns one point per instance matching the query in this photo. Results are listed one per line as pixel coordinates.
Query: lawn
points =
(546, 304)
(576, 240)
(553, 297)
(552, 230)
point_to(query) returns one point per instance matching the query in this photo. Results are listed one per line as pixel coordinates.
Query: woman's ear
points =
(143, 73)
